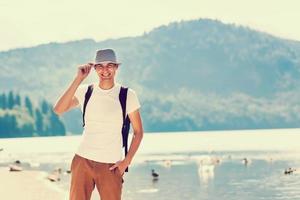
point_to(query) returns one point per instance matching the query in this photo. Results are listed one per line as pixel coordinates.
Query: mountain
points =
(189, 75)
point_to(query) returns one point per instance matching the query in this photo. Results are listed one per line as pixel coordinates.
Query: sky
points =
(33, 22)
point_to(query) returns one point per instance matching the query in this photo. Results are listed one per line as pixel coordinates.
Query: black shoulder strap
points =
(126, 120)
(123, 99)
(86, 100)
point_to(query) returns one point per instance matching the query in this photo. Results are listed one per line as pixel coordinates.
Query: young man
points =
(99, 159)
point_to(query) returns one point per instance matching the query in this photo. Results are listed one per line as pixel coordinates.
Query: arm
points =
(68, 100)
(138, 133)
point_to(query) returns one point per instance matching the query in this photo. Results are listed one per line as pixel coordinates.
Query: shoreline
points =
(237, 140)
(25, 184)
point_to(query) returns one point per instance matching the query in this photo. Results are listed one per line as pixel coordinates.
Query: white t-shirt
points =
(102, 137)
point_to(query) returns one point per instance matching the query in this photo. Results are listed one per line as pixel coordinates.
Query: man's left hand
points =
(122, 165)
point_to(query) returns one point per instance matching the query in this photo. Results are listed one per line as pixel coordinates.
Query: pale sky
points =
(31, 22)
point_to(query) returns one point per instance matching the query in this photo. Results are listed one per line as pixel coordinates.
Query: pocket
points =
(119, 173)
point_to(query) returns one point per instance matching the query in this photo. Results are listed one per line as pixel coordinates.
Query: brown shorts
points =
(85, 174)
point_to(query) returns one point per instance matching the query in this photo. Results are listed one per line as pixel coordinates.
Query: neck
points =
(106, 85)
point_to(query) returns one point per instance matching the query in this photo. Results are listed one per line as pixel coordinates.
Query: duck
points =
(154, 174)
(246, 161)
(289, 170)
(55, 175)
(15, 168)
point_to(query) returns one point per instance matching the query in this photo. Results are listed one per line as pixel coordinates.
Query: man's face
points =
(106, 70)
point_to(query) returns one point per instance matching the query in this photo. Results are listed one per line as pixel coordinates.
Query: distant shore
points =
(235, 140)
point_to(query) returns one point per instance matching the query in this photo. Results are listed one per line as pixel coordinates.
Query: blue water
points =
(185, 163)
(230, 179)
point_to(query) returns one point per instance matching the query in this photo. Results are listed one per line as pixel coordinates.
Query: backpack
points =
(126, 120)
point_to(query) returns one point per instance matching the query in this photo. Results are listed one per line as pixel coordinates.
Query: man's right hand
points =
(84, 70)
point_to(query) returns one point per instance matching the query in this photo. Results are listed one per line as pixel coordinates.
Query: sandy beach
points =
(28, 185)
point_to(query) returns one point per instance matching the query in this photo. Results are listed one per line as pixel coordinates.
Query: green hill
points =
(190, 75)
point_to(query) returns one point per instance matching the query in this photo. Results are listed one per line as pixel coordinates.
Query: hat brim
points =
(107, 62)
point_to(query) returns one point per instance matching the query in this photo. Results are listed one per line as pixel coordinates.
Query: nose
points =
(105, 69)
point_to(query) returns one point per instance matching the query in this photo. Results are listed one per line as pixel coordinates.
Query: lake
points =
(212, 165)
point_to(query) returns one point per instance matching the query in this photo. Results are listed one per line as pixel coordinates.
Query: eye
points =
(99, 66)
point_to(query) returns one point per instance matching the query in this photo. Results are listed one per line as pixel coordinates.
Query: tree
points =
(45, 107)
(8, 126)
(11, 100)
(18, 100)
(39, 125)
(27, 130)
(57, 127)
(45, 121)
(3, 101)
(28, 105)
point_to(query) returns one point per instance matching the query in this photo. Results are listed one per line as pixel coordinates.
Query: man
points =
(99, 159)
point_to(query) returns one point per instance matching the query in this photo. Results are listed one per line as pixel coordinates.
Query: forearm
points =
(135, 143)
(64, 101)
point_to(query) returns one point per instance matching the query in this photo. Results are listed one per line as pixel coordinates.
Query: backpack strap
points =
(126, 120)
(123, 99)
(86, 100)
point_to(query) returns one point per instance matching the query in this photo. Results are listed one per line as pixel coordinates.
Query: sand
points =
(28, 185)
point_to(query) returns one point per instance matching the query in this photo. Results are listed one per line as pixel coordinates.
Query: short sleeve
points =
(132, 102)
(80, 93)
